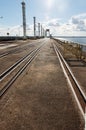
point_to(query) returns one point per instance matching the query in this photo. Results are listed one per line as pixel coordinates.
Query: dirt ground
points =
(41, 98)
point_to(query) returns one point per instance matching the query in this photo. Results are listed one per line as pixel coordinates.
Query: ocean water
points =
(80, 40)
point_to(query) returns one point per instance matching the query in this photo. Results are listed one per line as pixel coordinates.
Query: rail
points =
(19, 72)
(82, 100)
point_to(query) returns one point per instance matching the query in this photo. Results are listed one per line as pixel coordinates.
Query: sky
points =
(62, 17)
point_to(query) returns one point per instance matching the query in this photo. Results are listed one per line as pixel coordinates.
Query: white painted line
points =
(70, 84)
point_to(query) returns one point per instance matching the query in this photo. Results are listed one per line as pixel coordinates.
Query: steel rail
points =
(12, 80)
(18, 48)
(62, 60)
(15, 65)
(73, 77)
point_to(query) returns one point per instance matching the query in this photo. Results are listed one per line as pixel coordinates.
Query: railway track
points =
(16, 49)
(73, 83)
(11, 68)
(26, 61)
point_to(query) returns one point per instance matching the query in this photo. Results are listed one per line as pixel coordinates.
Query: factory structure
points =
(41, 31)
(24, 18)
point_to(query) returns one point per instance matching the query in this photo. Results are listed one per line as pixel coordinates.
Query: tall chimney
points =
(34, 20)
(24, 19)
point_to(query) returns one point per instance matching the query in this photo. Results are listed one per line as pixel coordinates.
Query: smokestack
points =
(39, 29)
(34, 21)
(43, 32)
(24, 19)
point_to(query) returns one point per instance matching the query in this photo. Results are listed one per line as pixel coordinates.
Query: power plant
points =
(41, 31)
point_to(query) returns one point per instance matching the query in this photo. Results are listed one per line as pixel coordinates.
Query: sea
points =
(79, 39)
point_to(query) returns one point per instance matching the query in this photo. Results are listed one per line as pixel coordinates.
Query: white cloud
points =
(53, 22)
(79, 21)
(76, 25)
(16, 30)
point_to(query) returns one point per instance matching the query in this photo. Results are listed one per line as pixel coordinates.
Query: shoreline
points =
(66, 39)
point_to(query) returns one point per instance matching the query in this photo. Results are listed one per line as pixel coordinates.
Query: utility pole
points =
(43, 32)
(39, 29)
(34, 21)
(24, 19)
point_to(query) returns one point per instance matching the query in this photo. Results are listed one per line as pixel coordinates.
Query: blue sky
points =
(61, 16)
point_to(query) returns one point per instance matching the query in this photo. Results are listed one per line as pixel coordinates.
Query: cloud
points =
(16, 30)
(53, 22)
(76, 25)
(79, 21)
